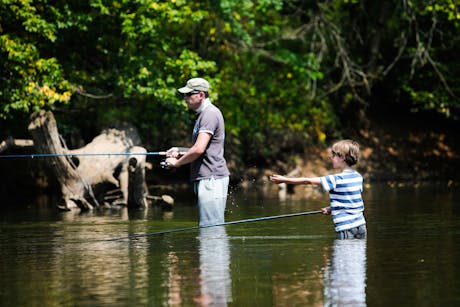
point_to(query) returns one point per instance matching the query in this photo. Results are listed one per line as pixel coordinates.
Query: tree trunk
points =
(136, 180)
(85, 180)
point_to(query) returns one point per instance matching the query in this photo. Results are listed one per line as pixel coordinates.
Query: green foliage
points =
(449, 8)
(285, 73)
(425, 100)
(30, 79)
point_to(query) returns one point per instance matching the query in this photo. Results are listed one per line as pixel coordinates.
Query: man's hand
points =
(171, 162)
(173, 152)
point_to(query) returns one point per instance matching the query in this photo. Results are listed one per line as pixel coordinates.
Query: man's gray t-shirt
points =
(212, 163)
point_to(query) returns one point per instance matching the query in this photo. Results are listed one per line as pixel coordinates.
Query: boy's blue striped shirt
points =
(346, 201)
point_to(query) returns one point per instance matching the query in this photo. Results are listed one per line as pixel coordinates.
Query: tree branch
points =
(10, 142)
(82, 93)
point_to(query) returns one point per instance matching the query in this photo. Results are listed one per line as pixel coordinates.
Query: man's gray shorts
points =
(212, 199)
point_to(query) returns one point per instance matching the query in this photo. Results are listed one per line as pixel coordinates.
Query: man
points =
(209, 172)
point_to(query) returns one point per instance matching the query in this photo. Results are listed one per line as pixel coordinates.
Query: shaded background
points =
(289, 76)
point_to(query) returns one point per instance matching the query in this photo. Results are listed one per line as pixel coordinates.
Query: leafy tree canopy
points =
(284, 72)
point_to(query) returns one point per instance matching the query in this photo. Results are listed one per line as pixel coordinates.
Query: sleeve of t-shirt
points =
(208, 123)
(328, 182)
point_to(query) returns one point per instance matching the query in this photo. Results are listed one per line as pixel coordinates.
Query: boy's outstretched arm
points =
(299, 180)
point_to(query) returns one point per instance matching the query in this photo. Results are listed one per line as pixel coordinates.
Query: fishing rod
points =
(214, 225)
(48, 155)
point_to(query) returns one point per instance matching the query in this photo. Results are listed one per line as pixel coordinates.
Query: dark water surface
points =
(411, 256)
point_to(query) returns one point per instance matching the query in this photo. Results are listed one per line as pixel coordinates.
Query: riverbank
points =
(401, 148)
(398, 148)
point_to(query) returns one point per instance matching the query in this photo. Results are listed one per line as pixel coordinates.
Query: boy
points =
(346, 203)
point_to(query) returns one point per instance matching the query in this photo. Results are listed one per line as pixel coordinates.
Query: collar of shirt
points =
(204, 105)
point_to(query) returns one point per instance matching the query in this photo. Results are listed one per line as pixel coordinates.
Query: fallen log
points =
(165, 201)
(85, 180)
(10, 142)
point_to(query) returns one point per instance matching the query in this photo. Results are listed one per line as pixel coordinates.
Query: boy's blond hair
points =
(348, 150)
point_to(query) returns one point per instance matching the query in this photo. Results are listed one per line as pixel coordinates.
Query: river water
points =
(410, 258)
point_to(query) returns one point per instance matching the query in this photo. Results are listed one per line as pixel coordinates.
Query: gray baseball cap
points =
(195, 84)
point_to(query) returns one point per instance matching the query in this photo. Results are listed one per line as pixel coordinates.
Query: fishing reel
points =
(165, 165)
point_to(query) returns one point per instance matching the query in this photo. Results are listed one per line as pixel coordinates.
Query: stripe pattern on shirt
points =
(347, 205)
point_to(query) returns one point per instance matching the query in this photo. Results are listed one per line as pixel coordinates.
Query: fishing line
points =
(155, 153)
(219, 224)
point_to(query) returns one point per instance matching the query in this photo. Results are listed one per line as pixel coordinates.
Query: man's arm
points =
(193, 153)
(175, 152)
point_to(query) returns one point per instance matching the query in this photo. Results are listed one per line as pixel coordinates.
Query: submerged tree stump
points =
(136, 179)
(86, 180)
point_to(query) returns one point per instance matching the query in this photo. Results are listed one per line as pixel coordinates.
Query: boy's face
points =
(337, 161)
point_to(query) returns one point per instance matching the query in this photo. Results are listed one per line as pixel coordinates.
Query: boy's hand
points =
(277, 178)
(326, 210)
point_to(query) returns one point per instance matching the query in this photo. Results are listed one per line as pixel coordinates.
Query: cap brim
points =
(185, 90)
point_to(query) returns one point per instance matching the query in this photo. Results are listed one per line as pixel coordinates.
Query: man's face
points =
(194, 99)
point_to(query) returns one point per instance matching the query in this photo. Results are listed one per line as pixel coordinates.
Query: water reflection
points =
(345, 276)
(172, 280)
(63, 259)
(215, 280)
